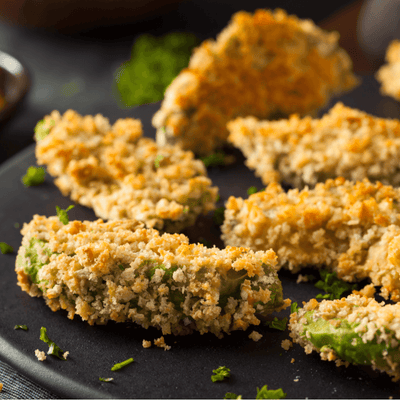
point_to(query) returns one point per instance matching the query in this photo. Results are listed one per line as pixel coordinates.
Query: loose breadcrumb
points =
(120, 174)
(121, 271)
(303, 151)
(41, 356)
(65, 354)
(286, 344)
(351, 228)
(255, 336)
(146, 344)
(1, 386)
(292, 360)
(160, 342)
(389, 74)
(302, 278)
(265, 64)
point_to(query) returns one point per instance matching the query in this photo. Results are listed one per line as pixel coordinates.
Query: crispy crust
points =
(345, 142)
(263, 64)
(389, 74)
(375, 322)
(122, 175)
(121, 271)
(352, 228)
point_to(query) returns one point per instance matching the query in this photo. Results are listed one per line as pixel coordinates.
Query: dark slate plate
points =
(185, 370)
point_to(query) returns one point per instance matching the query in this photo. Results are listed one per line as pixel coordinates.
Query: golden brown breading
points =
(389, 74)
(356, 329)
(345, 142)
(121, 174)
(263, 64)
(121, 271)
(351, 228)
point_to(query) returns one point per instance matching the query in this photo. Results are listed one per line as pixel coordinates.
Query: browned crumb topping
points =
(303, 151)
(41, 356)
(255, 336)
(146, 344)
(120, 174)
(389, 74)
(265, 64)
(352, 228)
(123, 272)
(160, 342)
(286, 344)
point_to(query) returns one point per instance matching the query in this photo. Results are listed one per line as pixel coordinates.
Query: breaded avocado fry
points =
(267, 64)
(389, 74)
(352, 228)
(303, 151)
(356, 330)
(123, 272)
(120, 174)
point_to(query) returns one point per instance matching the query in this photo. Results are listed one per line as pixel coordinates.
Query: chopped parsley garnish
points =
(332, 285)
(157, 160)
(220, 374)
(214, 159)
(54, 350)
(219, 215)
(40, 129)
(205, 242)
(231, 395)
(294, 307)
(5, 248)
(62, 214)
(23, 327)
(277, 323)
(122, 364)
(252, 190)
(106, 379)
(264, 393)
(34, 176)
(154, 63)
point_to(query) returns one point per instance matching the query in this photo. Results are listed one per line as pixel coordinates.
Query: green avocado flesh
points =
(31, 254)
(323, 334)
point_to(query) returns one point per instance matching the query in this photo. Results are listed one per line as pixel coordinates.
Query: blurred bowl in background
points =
(14, 85)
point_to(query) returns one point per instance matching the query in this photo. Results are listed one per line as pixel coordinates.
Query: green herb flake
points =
(294, 307)
(105, 379)
(23, 327)
(122, 364)
(62, 214)
(157, 160)
(16, 225)
(332, 285)
(220, 374)
(219, 216)
(277, 324)
(41, 130)
(264, 393)
(5, 248)
(231, 395)
(214, 159)
(251, 190)
(154, 63)
(54, 350)
(34, 176)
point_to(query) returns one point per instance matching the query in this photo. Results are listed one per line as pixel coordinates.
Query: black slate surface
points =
(185, 370)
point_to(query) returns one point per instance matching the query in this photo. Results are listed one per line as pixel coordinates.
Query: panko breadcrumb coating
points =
(303, 151)
(352, 228)
(265, 64)
(389, 74)
(123, 272)
(120, 174)
(356, 330)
